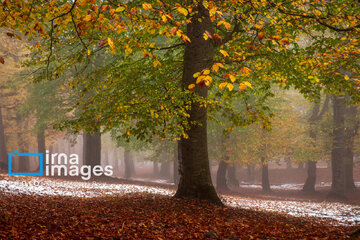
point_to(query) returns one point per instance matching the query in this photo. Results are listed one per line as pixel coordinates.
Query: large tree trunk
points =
(221, 185)
(195, 179)
(349, 170)
(338, 149)
(92, 149)
(3, 151)
(309, 186)
(265, 183)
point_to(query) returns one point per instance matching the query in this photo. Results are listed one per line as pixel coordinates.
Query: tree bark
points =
(349, 170)
(92, 149)
(221, 185)
(176, 165)
(195, 179)
(265, 183)
(338, 149)
(3, 151)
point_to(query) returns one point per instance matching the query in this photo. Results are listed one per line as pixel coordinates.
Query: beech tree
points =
(173, 62)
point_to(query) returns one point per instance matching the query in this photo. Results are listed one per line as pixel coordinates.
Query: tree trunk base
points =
(336, 196)
(203, 192)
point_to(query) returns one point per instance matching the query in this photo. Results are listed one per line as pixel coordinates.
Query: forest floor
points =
(49, 208)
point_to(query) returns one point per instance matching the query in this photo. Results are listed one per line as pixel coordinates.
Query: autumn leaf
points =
(224, 53)
(222, 85)
(111, 44)
(261, 35)
(245, 70)
(2, 60)
(191, 86)
(156, 63)
(147, 6)
(182, 11)
(120, 9)
(346, 77)
(230, 86)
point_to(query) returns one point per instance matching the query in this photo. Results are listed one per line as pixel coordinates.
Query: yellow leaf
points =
(191, 86)
(206, 72)
(232, 78)
(247, 84)
(164, 18)
(185, 38)
(205, 36)
(245, 70)
(222, 85)
(242, 86)
(147, 6)
(182, 11)
(212, 11)
(156, 63)
(200, 79)
(215, 67)
(346, 77)
(111, 44)
(223, 52)
(87, 18)
(88, 52)
(230, 86)
(120, 9)
(196, 75)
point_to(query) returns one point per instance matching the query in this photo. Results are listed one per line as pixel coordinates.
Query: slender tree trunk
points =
(250, 173)
(92, 149)
(116, 162)
(155, 169)
(127, 161)
(176, 165)
(338, 149)
(165, 170)
(195, 179)
(352, 125)
(309, 185)
(40, 137)
(265, 183)
(221, 185)
(3, 151)
(231, 174)
(24, 163)
(288, 163)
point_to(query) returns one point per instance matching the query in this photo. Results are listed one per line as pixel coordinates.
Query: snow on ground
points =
(338, 213)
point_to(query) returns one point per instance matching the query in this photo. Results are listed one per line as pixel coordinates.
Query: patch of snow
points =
(339, 213)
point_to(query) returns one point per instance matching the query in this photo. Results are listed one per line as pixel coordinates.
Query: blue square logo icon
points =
(15, 153)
